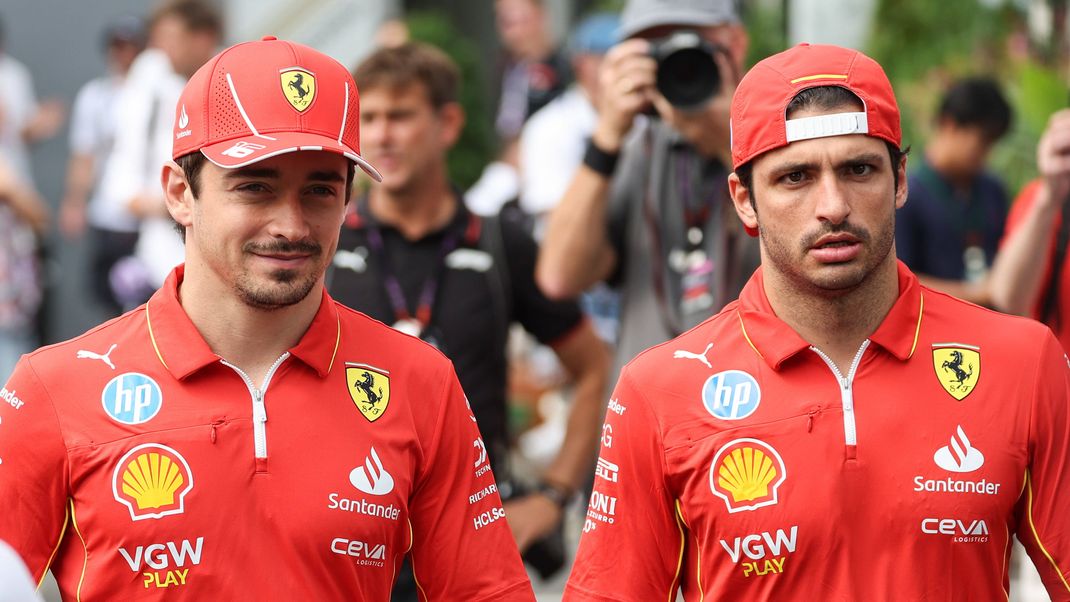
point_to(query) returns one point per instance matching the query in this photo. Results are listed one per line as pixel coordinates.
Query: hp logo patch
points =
(132, 398)
(731, 395)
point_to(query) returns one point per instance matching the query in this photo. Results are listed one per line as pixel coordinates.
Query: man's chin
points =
(283, 289)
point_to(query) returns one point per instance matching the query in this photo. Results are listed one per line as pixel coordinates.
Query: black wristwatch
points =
(554, 493)
(600, 161)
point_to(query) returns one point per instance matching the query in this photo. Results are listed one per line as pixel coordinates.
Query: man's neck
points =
(837, 325)
(250, 338)
(417, 212)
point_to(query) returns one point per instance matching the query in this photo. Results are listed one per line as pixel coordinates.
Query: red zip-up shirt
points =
(138, 464)
(738, 463)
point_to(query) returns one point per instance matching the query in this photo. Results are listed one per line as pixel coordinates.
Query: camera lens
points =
(687, 75)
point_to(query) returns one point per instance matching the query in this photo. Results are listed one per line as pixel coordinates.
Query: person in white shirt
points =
(23, 120)
(566, 122)
(94, 120)
(183, 35)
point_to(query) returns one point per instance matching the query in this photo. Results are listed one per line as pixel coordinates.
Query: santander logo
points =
(959, 455)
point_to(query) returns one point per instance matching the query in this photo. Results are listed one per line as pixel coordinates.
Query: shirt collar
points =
(774, 341)
(182, 350)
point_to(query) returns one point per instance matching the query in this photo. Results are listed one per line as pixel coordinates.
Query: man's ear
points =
(452, 116)
(901, 193)
(177, 193)
(741, 199)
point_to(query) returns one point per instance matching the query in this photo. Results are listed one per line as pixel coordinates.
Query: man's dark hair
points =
(411, 63)
(196, 15)
(977, 102)
(824, 98)
(192, 163)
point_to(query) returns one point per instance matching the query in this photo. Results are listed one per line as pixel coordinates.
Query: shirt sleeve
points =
(548, 159)
(34, 472)
(547, 320)
(1043, 523)
(632, 543)
(462, 548)
(83, 137)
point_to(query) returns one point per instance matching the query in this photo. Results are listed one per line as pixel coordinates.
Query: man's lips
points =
(836, 248)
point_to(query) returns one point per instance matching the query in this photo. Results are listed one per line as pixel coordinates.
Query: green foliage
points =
(475, 149)
(925, 45)
(766, 28)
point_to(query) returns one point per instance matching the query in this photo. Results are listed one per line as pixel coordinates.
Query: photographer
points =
(648, 210)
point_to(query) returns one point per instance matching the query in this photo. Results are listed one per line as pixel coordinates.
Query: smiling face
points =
(824, 208)
(267, 231)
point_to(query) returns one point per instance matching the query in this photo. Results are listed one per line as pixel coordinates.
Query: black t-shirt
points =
(466, 320)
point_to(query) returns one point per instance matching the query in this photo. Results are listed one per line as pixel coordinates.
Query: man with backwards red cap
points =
(839, 432)
(242, 435)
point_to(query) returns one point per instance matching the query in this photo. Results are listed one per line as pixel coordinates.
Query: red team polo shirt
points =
(140, 465)
(739, 463)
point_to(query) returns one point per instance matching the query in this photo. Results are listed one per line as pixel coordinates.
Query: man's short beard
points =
(290, 289)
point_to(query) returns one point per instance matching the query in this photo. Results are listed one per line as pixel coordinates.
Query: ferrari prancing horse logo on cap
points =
(958, 368)
(299, 88)
(370, 389)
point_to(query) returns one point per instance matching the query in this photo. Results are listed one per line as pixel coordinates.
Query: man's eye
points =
(252, 187)
(322, 190)
(861, 169)
(794, 177)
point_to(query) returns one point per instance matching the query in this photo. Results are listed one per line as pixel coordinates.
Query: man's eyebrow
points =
(251, 172)
(792, 166)
(869, 158)
(270, 173)
(326, 176)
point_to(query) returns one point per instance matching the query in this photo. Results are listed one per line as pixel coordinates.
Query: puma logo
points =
(90, 355)
(687, 355)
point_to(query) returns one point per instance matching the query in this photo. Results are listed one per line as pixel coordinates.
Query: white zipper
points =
(259, 409)
(850, 432)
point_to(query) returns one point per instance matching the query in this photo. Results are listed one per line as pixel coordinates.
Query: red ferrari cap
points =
(261, 99)
(759, 108)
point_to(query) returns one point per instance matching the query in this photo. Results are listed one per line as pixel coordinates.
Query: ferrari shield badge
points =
(299, 88)
(958, 368)
(370, 389)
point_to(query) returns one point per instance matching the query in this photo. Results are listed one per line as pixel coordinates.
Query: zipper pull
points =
(259, 410)
(810, 422)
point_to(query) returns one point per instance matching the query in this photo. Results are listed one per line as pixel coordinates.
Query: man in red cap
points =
(242, 435)
(830, 435)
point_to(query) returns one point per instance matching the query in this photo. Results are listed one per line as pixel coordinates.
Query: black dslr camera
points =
(687, 75)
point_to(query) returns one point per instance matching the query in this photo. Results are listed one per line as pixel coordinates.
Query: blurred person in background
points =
(94, 121)
(183, 34)
(23, 120)
(950, 228)
(23, 221)
(1030, 276)
(534, 71)
(566, 122)
(412, 255)
(659, 225)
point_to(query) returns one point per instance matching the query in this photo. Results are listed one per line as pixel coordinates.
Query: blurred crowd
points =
(611, 155)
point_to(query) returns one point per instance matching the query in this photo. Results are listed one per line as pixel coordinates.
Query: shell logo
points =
(152, 481)
(747, 474)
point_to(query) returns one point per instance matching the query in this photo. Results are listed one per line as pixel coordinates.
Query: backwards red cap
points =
(759, 107)
(261, 99)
